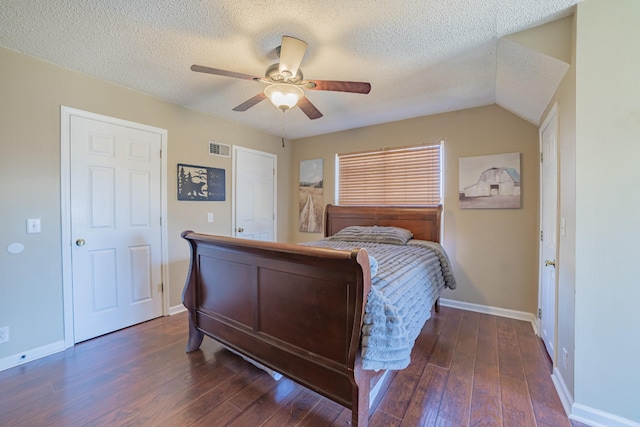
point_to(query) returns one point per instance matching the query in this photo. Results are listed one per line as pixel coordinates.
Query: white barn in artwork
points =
(495, 182)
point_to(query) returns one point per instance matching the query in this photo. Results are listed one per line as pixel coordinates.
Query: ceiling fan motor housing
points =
(274, 75)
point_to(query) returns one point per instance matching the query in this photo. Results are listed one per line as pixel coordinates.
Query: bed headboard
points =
(423, 221)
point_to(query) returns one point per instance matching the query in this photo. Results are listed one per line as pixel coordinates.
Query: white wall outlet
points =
(210, 217)
(4, 334)
(565, 358)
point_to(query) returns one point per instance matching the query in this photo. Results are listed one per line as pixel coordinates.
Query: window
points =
(395, 176)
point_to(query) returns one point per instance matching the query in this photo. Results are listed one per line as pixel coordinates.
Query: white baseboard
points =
(496, 311)
(563, 391)
(597, 418)
(584, 414)
(176, 309)
(30, 355)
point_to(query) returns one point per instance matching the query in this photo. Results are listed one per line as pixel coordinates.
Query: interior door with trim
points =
(548, 234)
(115, 204)
(254, 194)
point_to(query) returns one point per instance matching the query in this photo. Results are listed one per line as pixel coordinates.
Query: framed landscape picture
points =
(310, 197)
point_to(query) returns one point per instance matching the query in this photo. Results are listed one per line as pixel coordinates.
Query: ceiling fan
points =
(286, 82)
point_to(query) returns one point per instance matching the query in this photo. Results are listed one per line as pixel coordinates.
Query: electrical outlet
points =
(210, 217)
(4, 334)
(565, 358)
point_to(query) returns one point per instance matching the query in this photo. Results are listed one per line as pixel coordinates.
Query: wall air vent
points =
(218, 149)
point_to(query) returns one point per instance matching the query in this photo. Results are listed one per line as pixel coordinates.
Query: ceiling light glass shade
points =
(284, 96)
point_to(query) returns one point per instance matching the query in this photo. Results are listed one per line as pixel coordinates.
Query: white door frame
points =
(237, 148)
(65, 209)
(553, 114)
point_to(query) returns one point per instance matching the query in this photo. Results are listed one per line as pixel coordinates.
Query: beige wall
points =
(607, 206)
(494, 252)
(32, 92)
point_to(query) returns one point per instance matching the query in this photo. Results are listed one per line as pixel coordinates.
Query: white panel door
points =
(548, 243)
(115, 226)
(254, 194)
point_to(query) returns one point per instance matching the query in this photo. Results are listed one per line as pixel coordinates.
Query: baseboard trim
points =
(496, 311)
(30, 355)
(598, 418)
(176, 309)
(563, 391)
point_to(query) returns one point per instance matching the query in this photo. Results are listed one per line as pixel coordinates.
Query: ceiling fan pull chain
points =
(282, 137)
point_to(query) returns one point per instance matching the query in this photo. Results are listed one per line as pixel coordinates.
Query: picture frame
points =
(201, 183)
(310, 195)
(490, 182)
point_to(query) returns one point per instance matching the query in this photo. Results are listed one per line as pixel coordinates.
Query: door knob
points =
(240, 229)
(547, 263)
(80, 242)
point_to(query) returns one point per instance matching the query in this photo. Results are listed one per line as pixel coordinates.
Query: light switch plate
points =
(33, 225)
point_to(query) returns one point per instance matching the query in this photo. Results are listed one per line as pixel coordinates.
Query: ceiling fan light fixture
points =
(284, 96)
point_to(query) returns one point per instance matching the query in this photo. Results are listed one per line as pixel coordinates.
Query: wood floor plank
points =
(456, 401)
(403, 386)
(221, 415)
(517, 410)
(444, 422)
(293, 412)
(267, 405)
(487, 350)
(425, 404)
(509, 357)
(486, 410)
(321, 415)
(537, 365)
(382, 419)
(200, 406)
(446, 342)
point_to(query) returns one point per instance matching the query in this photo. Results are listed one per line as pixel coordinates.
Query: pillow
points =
(374, 234)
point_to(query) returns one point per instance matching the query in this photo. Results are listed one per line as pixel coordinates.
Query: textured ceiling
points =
(421, 56)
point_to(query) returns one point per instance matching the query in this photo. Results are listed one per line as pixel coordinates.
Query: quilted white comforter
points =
(408, 281)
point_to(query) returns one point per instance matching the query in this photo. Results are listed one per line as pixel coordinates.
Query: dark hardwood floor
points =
(467, 369)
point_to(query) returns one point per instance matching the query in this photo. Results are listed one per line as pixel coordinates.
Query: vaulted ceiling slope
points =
(421, 57)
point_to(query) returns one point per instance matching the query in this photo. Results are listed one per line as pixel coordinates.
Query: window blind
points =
(401, 176)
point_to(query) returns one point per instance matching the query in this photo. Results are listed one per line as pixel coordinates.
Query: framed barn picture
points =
(490, 182)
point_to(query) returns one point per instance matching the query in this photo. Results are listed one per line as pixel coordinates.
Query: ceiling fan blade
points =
(309, 109)
(291, 53)
(219, 72)
(250, 102)
(338, 86)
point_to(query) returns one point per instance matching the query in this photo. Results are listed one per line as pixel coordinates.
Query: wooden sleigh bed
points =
(296, 309)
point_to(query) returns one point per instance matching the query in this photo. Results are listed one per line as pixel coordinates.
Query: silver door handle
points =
(547, 263)
(80, 242)
(240, 229)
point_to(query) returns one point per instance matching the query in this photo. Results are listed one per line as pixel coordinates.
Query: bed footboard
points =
(296, 309)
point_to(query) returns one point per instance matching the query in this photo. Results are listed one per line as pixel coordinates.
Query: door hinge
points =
(539, 313)
(161, 153)
(541, 157)
(162, 287)
(541, 235)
